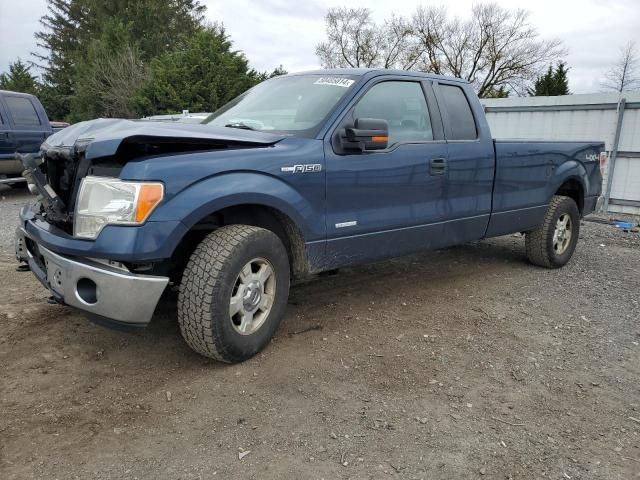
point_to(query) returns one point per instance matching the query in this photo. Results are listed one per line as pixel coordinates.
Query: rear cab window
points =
(22, 111)
(461, 123)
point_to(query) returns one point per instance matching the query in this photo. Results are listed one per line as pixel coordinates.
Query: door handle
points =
(437, 166)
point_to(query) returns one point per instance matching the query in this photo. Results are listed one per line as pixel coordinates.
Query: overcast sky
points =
(274, 32)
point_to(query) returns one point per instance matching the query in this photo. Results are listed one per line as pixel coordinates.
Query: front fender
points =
(241, 188)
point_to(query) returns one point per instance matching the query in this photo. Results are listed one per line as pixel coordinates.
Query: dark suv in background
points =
(24, 125)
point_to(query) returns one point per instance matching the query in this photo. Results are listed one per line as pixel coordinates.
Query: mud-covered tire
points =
(542, 245)
(209, 282)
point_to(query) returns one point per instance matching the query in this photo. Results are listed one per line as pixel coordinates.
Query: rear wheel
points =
(234, 292)
(553, 244)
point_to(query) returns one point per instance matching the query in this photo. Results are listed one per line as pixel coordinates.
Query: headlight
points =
(110, 201)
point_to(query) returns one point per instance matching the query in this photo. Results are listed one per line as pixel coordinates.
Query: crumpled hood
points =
(103, 137)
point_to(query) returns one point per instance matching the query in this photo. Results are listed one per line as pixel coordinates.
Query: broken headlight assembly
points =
(106, 201)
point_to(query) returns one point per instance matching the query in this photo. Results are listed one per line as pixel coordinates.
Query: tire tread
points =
(536, 241)
(201, 277)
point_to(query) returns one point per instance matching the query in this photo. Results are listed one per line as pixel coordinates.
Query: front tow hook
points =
(53, 300)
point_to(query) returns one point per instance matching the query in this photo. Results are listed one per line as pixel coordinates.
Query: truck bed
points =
(524, 179)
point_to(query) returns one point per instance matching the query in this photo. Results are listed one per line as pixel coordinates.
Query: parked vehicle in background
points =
(184, 117)
(57, 126)
(301, 174)
(24, 125)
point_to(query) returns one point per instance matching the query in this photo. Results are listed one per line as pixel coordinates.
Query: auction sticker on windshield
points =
(336, 81)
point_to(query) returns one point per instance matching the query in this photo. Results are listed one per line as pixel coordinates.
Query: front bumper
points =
(151, 242)
(108, 292)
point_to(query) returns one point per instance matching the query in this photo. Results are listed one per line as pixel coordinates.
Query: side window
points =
(22, 110)
(402, 105)
(462, 124)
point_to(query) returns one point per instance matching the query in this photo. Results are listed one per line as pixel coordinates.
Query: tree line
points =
(496, 49)
(130, 58)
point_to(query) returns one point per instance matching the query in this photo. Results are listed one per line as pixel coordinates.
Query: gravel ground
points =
(461, 363)
(11, 201)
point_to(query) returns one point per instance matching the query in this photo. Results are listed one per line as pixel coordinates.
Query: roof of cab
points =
(375, 72)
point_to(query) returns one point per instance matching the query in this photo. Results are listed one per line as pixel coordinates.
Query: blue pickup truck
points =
(303, 173)
(23, 127)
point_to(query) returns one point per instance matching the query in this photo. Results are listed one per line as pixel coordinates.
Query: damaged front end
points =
(106, 268)
(56, 175)
(52, 178)
(103, 147)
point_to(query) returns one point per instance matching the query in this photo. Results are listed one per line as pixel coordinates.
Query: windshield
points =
(295, 104)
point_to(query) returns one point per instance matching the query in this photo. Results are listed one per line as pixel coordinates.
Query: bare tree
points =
(496, 49)
(624, 74)
(399, 46)
(112, 82)
(355, 40)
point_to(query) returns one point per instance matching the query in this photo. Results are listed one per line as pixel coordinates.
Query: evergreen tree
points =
(262, 76)
(107, 82)
(553, 82)
(19, 79)
(202, 76)
(500, 92)
(70, 28)
(279, 70)
(561, 80)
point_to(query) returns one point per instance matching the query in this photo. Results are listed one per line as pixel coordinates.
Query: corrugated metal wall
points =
(580, 117)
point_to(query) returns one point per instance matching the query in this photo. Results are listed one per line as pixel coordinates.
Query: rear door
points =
(29, 127)
(471, 161)
(388, 202)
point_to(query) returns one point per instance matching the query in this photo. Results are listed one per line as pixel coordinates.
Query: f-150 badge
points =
(305, 168)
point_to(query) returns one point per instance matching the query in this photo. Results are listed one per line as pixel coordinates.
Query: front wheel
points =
(553, 244)
(234, 292)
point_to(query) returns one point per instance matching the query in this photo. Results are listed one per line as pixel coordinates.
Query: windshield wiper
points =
(240, 125)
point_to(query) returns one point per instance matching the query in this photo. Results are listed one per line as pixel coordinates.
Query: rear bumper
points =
(108, 292)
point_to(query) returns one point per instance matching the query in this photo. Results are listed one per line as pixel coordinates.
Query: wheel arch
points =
(252, 214)
(573, 188)
(241, 197)
(571, 181)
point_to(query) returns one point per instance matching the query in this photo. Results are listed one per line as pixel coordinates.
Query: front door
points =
(28, 129)
(7, 146)
(388, 202)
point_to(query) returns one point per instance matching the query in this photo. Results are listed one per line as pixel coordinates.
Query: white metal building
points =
(611, 117)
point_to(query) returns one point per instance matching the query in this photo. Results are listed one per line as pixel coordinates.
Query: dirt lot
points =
(462, 363)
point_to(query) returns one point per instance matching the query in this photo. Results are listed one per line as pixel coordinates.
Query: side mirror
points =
(366, 134)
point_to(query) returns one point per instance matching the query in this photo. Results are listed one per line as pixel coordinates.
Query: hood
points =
(108, 144)
(106, 137)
